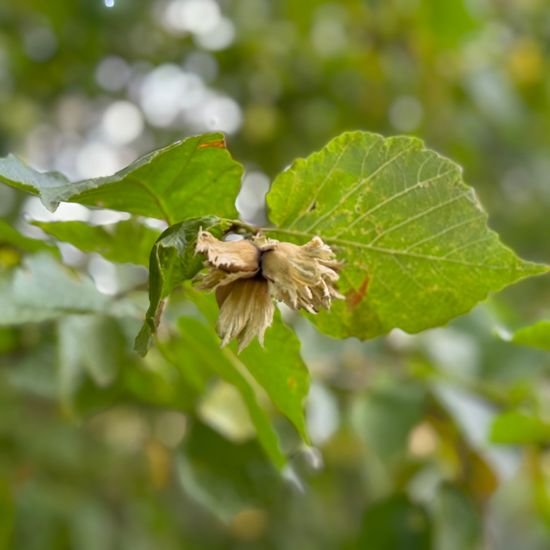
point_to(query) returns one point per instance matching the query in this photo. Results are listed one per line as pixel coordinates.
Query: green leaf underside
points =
(43, 290)
(535, 336)
(128, 241)
(192, 177)
(171, 262)
(199, 344)
(277, 367)
(413, 237)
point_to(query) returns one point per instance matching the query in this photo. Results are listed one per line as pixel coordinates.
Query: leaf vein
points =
(358, 186)
(320, 187)
(445, 231)
(469, 244)
(390, 251)
(419, 216)
(155, 197)
(392, 198)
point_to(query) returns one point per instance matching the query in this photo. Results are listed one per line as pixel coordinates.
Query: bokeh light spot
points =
(406, 114)
(122, 122)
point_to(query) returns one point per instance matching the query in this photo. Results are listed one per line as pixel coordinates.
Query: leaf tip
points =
(533, 268)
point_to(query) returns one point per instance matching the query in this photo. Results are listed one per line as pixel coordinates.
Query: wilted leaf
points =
(128, 241)
(192, 177)
(413, 236)
(172, 261)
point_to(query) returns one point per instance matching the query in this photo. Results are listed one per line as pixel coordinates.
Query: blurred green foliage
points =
(433, 441)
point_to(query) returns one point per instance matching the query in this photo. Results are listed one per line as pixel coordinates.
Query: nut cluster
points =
(248, 275)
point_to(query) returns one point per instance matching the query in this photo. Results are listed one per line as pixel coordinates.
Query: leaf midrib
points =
(394, 252)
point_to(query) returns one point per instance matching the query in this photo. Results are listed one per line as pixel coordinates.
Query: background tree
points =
(442, 434)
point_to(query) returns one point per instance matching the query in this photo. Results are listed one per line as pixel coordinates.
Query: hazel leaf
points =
(277, 366)
(172, 261)
(128, 241)
(197, 343)
(195, 176)
(413, 236)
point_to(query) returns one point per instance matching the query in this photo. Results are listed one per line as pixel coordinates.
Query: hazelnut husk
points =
(249, 275)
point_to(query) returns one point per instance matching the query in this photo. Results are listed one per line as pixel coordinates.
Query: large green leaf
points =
(277, 367)
(197, 347)
(43, 289)
(535, 336)
(128, 241)
(192, 177)
(413, 236)
(172, 261)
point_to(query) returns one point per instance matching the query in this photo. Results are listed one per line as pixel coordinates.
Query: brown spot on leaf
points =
(219, 144)
(354, 297)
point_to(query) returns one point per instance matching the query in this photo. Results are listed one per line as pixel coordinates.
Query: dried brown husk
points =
(230, 256)
(226, 261)
(246, 311)
(248, 275)
(303, 277)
